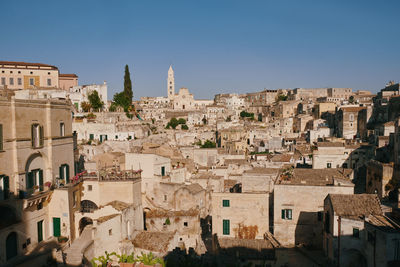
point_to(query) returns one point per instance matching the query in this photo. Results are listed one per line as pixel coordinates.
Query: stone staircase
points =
(75, 251)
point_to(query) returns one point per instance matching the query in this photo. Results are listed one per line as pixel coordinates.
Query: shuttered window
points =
(225, 203)
(226, 227)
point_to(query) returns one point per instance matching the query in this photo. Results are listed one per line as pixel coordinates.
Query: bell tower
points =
(171, 83)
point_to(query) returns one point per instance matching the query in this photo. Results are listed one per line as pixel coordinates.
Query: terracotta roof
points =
(263, 171)
(383, 223)
(16, 63)
(153, 241)
(281, 158)
(72, 75)
(106, 218)
(118, 205)
(355, 205)
(157, 213)
(316, 177)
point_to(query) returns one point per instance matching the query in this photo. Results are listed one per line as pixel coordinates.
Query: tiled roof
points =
(316, 177)
(355, 205)
(330, 144)
(106, 218)
(72, 75)
(153, 241)
(383, 223)
(26, 64)
(118, 205)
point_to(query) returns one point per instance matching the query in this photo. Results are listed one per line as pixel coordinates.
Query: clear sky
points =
(215, 46)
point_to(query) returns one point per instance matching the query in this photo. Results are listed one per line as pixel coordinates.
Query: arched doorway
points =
(11, 246)
(85, 221)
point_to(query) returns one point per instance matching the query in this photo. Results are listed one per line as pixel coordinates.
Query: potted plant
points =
(126, 260)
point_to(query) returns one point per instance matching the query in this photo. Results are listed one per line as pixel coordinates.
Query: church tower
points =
(171, 83)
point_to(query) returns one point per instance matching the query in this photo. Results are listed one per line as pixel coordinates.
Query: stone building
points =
(232, 217)
(23, 75)
(347, 120)
(379, 178)
(300, 222)
(67, 81)
(343, 231)
(38, 195)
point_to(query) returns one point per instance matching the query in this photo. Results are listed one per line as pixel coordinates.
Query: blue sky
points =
(214, 46)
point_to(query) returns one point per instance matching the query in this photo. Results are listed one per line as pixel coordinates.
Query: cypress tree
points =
(128, 85)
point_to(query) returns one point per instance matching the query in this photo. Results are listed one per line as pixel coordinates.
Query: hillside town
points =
(272, 177)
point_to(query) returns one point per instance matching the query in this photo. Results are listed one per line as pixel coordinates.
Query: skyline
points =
(229, 46)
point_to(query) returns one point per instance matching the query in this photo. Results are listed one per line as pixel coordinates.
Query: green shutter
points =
(41, 180)
(283, 214)
(30, 181)
(60, 169)
(67, 173)
(40, 231)
(225, 227)
(56, 226)
(91, 136)
(225, 203)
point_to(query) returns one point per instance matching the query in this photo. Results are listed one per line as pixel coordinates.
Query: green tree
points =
(95, 101)
(128, 85)
(209, 144)
(184, 127)
(85, 106)
(351, 99)
(121, 100)
(182, 121)
(172, 123)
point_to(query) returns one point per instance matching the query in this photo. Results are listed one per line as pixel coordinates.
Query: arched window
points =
(88, 206)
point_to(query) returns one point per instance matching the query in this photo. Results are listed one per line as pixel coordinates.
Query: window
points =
(1, 137)
(110, 232)
(329, 165)
(185, 224)
(286, 214)
(5, 186)
(3, 81)
(62, 129)
(165, 197)
(48, 82)
(91, 136)
(64, 172)
(19, 81)
(225, 203)
(11, 81)
(31, 81)
(356, 232)
(35, 178)
(90, 187)
(162, 171)
(225, 227)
